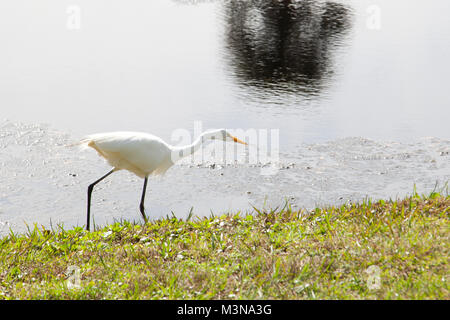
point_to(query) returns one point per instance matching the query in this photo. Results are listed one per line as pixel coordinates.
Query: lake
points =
(357, 91)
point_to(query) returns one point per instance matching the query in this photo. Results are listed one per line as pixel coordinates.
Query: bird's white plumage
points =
(141, 153)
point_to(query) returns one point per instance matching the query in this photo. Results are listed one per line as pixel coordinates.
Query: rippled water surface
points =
(358, 90)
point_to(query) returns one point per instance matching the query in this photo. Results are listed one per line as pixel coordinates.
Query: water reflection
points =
(284, 44)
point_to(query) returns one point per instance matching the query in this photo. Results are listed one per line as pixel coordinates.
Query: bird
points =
(143, 154)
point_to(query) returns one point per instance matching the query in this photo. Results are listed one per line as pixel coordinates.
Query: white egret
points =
(143, 154)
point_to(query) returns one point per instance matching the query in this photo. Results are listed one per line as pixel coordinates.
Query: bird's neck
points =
(184, 151)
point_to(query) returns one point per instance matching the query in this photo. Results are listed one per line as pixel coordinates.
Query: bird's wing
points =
(143, 151)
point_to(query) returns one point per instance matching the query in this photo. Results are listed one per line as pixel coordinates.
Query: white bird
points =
(143, 154)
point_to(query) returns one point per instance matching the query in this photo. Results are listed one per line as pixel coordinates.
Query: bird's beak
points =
(238, 141)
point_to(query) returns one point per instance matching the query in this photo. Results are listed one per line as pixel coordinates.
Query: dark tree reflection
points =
(288, 43)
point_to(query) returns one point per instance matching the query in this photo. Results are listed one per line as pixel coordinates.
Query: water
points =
(357, 88)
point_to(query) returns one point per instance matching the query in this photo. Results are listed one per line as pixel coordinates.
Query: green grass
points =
(282, 254)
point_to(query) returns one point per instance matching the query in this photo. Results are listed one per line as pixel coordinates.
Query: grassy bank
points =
(384, 250)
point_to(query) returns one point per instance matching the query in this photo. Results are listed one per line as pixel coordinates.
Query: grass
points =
(371, 250)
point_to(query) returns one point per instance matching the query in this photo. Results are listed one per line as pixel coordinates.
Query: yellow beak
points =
(238, 141)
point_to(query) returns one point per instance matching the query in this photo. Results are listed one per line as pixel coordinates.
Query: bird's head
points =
(223, 135)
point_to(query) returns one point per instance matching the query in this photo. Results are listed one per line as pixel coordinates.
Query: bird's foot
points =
(142, 209)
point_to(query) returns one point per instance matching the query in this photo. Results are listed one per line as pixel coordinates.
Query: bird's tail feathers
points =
(82, 144)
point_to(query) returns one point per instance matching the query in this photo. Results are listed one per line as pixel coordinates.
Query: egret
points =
(143, 154)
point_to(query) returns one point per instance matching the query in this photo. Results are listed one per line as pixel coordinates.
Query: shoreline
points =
(326, 253)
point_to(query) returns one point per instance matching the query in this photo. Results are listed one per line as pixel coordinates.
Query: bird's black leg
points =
(141, 206)
(90, 188)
